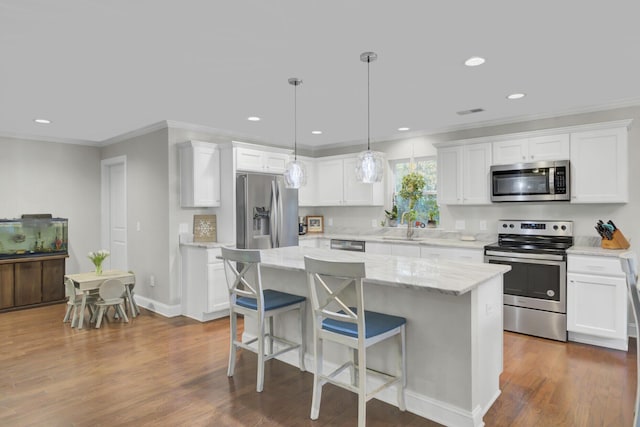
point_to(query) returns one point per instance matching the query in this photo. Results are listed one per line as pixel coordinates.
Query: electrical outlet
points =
(138, 226)
(483, 225)
(374, 223)
(152, 280)
(330, 222)
(183, 227)
(460, 224)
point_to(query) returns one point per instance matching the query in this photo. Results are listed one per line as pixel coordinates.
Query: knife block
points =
(618, 241)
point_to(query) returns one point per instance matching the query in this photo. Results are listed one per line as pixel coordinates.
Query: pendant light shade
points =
(295, 174)
(370, 165)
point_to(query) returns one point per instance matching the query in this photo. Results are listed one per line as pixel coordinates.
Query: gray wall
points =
(584, 216)
(148, 203)
(60, 179)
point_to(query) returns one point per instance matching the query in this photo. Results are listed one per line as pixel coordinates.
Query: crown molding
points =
(29, 137)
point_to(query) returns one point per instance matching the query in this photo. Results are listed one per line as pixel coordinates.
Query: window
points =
(428, 204)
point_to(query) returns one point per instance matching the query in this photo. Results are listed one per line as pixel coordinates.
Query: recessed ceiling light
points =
(403, 129)
(516, 96)
(316, 132)
(253, 119)
(474, 61)
(42, 121)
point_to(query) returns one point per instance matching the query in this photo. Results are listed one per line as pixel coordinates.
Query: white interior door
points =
(114, 212)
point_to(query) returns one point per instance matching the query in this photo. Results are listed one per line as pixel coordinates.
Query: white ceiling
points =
(99, 69)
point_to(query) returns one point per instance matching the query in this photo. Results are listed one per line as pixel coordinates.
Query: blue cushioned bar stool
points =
(246, 297)
(335, 320)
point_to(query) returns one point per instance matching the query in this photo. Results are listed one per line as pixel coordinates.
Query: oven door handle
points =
(523, 260)
(520, 256)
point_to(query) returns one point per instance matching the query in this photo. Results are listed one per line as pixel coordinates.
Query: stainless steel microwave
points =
(531, 182)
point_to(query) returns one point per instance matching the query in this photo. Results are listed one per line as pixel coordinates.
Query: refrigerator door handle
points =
(280, 213)
(272, 216)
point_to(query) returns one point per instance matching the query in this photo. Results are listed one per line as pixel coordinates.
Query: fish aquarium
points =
(33, 235)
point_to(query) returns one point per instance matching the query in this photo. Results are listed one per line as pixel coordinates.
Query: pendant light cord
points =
(295, 122)
(368, 106)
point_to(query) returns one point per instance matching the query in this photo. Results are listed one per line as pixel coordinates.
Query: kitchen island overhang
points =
(454, 326)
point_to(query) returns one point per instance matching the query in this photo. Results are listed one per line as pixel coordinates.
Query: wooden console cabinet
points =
(30, 282)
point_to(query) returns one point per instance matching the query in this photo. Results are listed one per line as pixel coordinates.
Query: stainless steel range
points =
(535, 290)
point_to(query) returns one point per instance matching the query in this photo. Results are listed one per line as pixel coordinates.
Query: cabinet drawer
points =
(606, 266)
(212, 255)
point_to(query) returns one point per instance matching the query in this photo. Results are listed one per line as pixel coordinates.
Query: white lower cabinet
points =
(377, 248)
(405, 250)
(308, 243)
(597, 301)
(452, 254)
(204, 287)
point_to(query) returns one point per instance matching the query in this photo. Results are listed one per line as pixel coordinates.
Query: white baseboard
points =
(632, 330)
(616, 344)
(418, 404)
(158, 307)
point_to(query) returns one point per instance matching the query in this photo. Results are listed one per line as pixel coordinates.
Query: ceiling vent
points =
(471, 111)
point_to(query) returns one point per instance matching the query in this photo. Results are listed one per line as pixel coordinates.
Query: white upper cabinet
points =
(307, 193)
(199, 174)
(463, 174)
(336, 184)
(255, 160)
(535, 149)
(599, 166)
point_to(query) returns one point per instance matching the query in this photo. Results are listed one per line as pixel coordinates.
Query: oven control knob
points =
(555, 227)
(564, 227)
(504, 225)
(551, 293)
(510, 225)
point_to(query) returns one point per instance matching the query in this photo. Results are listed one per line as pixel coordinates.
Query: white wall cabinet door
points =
(252, 160)
(307, 193)
(337, 185)
(199, 174)
(510, 151)
(329, 185)
(355, 192)
(275, 162)
(450, 176)
(463, 174)
(599, 166)
(549, 147)
(476, 167)
(527, 150)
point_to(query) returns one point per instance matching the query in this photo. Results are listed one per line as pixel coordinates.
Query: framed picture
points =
(204, 228)
(315, 224)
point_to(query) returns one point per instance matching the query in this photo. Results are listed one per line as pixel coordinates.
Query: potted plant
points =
(433, 212)
(392, 216)
(412, 190)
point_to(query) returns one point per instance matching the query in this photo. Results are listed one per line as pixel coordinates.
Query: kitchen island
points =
(454, 326)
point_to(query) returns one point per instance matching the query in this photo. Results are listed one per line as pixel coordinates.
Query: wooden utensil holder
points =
(618, 241)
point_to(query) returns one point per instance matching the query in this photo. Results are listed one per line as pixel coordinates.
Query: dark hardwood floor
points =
(170, 372)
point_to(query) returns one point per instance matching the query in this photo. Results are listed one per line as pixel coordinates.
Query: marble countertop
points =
(451, 240)
(592, 246)
(208, 245)
(449, 277)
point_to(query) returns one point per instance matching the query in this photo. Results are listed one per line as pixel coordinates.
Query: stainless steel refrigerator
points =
(266, 212)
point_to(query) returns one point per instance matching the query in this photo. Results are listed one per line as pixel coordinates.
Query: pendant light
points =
(370, 166)
(295, 175)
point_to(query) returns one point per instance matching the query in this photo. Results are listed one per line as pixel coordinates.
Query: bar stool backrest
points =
(242, 270)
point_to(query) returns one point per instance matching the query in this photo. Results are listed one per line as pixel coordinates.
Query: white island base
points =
(454, 327)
